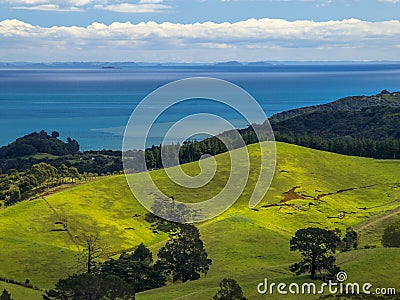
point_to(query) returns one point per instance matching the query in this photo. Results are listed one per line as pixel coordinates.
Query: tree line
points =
(100, 162)
(189, 151)
(387, 148)
(310, 131)
(16, 186)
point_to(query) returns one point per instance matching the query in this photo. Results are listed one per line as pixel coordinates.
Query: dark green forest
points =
(41, 142)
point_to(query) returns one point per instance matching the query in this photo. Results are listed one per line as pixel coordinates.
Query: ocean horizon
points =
(93, 105)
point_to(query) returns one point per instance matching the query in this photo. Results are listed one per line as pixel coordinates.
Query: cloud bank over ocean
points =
(264, 39)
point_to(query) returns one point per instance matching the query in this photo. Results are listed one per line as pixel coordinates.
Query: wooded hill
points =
(361, 126)
(41, 142)
(351, 103)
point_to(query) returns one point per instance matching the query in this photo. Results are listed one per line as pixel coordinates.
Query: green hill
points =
(364, 126)
(351, 103)
(41, 238)
(372, 122)
(41, 142)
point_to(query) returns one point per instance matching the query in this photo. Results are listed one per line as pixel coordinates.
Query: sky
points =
(199, 30)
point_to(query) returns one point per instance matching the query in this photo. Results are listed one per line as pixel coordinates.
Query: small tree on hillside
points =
(171, 210)
(184, 257)
(5, 295)
(92, 252)
(229, 289)
(391, 235)
(317, 247)
(350, 240)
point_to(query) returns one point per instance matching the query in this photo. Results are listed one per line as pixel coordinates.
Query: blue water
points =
(93, 105)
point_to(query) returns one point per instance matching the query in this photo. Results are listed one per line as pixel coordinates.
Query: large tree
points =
(136, 269)
(317, 247)
(184, 257)
(229, 289)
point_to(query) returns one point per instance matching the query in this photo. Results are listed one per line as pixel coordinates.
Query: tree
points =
(55, 134)
(43, 134)
(317, 247)
(116, 288)
(142, 254)
(64, 172)
(15, 195)
(44, 173)
(391, 235)
(73, 172)
(78, 287)
(136, 269)
(184, 257)
(72, 146)
(5, 295)
(92, 252)
(164, 209)
(90, 287)
(229, 289)
(27, 184)
(350, 240)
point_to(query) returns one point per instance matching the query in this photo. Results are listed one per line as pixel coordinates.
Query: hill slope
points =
(352, 103)
(372, 122)
(41, 238)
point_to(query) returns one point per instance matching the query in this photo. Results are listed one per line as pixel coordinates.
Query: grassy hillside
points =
(19, 292)
(314, 188)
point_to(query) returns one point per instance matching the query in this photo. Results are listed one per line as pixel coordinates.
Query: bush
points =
(5, 295)
(229, 289)
(391, 235)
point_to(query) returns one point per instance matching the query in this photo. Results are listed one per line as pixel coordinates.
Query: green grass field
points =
(18, 292)
(244, 244)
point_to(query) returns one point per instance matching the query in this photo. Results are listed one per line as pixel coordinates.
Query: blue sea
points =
(93, 105)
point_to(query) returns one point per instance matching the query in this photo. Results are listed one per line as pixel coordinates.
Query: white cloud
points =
(55, 2)
(253, 39)
(49, 7)
(150, 1)
(47, 2)
(317, 1)
(141, 6)
(26, 2)
(144, 6)
(390, 1)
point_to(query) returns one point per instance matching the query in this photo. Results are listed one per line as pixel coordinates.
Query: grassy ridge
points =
(19, 292)
(243, 243)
